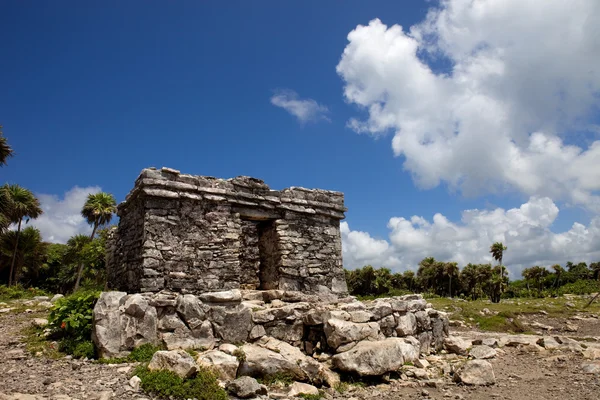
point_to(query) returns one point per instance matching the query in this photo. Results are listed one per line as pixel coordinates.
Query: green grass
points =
(278, 377)
(203, 386)
(142, 353)
(312, 396)
(508, 310)
(19, 292)
(36, 342)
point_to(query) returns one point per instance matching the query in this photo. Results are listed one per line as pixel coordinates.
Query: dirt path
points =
(26, 377)
(524, 372)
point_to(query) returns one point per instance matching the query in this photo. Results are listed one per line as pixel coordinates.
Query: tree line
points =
(475, 281)
(25, 259)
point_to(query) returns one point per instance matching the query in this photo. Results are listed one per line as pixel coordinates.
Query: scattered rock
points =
(476, 372)
(223, 364)
(56, 297)
(39, 322)
(591, 367)
(482, 352)
(340, 332)
(246, 387)
(457, 345)
(177, 361)
(135, 383)
(302, 388)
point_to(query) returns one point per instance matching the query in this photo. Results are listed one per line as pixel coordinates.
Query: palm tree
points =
(5, 150)
(97, 210)
(31, 252)
(450, 270)
(20, 203)
(497, 250)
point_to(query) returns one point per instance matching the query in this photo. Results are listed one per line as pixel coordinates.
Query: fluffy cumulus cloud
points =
(524, 230)
(486, 96)
(305, 110)
(62, 216)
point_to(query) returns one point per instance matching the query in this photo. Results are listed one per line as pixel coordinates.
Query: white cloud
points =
(306, 110)
(511, 112)
(524, 230)
(62, 216)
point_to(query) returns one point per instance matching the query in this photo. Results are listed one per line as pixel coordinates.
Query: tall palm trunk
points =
(80, 268)
(14, 257)
(450, 286)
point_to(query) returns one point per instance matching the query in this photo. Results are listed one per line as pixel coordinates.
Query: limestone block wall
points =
(195, 234)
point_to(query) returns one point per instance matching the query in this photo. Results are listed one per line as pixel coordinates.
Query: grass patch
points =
(19, 292)
(504, 316)
(142, 353)
(278, 377)
(311, 396)
(203, 386)
(35, 343)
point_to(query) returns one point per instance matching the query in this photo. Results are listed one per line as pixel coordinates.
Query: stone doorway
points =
(268, 274)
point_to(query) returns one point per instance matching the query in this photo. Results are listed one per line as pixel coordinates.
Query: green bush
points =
(143, 353)
(19, 292)
(84, 350)
(71, 320)
(203, 386)
(583, 286)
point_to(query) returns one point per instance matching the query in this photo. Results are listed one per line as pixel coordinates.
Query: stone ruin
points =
(253, 279)
(196, 234)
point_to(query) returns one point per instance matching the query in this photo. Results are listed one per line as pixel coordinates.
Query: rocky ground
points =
(561, 360)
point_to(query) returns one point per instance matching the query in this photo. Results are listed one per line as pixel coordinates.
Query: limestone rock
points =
(302, 388)
(135, 383)
(106, 328)
(39, 322)
(406, 324)
(263, 362)
(223, 364)
(177, 361)
(227, 296)
(232, 325)
(457, 345)
(592, 353)
(190, 308)
(309, 366)
(372, 358)
(591, 367)
(246, 387)
(476, 372)
(56, 297)
(482, 352)
(339, 332)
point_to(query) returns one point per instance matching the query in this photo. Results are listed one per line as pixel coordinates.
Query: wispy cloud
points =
(306, 110)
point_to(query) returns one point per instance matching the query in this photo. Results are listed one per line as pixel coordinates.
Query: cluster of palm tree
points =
(573, 277)
(436, 277)
(26, 258)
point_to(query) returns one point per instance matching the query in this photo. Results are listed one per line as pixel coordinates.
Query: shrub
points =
(71, 320)
(203, 386)
(84, 349)
(143, 353)
(278, 377)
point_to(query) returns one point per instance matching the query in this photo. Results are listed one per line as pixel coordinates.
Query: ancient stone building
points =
(195, 234)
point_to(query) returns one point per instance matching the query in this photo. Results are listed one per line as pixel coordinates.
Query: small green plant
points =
(192, 352)
(71, 320)
(36, 343)
(84, 349)
(240, 355)
(203, 386)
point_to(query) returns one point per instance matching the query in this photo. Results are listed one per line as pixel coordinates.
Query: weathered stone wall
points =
(195, 234)
(310, 323)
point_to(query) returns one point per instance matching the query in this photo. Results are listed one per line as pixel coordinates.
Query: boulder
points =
(259, 361)
(406, 324)
(457, 345)
(177, 361)
(39, 322)
(246, 387)
(106, 327)
(225, 366)
(381, 309)
(309, 366)
(372, 358)
(190, 308)
(476, 372)
(232, 324)
(482, 352)
(339, 332)
(592, 353)
(298, 388)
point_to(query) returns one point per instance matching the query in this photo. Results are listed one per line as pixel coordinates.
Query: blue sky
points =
(93, 93)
